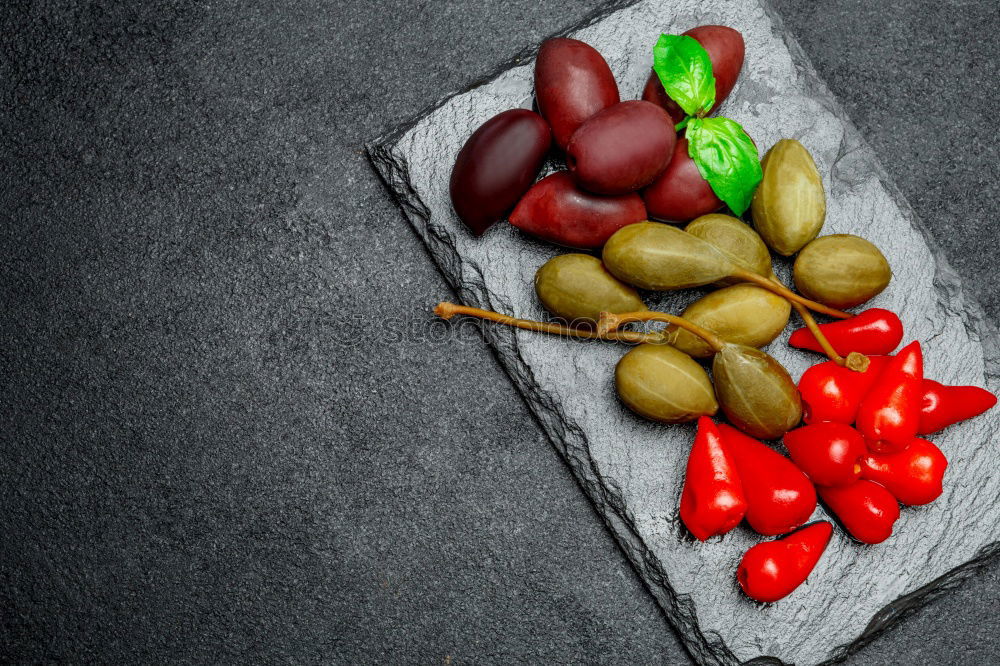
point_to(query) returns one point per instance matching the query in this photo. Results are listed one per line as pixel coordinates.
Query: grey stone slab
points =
(631, 469)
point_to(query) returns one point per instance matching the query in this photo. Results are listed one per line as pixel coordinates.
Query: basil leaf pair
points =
(724, 154)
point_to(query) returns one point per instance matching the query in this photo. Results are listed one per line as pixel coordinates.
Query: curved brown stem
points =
(854, 360)
(813, 327)
(610, 322)
(447, 310)
(782, 290)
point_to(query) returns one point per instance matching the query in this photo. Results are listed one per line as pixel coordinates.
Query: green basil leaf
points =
(726, 158)
(685, 70)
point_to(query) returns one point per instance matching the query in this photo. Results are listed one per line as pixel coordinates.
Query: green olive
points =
(664, 384)
(789, 205)
(661, 257)
(577, 288)
(841, 270)
(756, 393)
(736, 239)
(742, 313)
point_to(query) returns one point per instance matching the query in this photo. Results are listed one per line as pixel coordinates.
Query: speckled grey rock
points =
(632, 469)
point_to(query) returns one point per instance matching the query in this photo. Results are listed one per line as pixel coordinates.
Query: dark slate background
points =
(230, 430)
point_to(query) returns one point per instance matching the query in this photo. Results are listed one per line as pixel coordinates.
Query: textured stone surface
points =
(630, 469)
(198, 469)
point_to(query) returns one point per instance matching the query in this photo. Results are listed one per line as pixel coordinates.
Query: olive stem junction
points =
(782, 290)
(610, 322)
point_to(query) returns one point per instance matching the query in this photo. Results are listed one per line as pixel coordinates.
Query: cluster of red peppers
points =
(860, 451)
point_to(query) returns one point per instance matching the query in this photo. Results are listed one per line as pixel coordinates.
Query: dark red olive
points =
(622, 148)
(680, 193)
(497, 165)
(572, 83)
(556, 210)
(725, 49)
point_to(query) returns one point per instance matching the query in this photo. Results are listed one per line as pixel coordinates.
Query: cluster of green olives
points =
(662, 381)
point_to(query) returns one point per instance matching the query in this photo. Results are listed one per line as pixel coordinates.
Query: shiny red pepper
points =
(865, 509)
(943, 405)
(772, 570)
(874, 331)
(832, 393)
(829, 453)
(913, 476)
(889, 414)
(779, 496)
(712, 501)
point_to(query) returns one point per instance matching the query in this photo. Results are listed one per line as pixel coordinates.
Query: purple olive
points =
(556, 210)
(572, 83)
(680, 193)
(497, 165)
(622, 148)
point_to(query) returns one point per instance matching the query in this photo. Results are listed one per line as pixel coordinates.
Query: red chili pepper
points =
(865, 509)
(712, 501)
(889, 415)
(913, 476)
(829, 453)
(944, 405)
(772, 570)
(779, 496)
(874, 331)
(832, 393)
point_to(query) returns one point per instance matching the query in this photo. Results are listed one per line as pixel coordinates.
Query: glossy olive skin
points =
(572, 83)
(680, 194)
(743, 313)
(497, 165)
(726, 50)
(577, 288)
(664, 384)
(789, 206)
(660, 257)
(622, 148)
(841, 270)
(736, 239)
(557, 210)
(755, 392)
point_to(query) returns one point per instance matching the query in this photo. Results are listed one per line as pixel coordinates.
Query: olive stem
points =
(447, 310)
(813, 327)
(854, 360)
(611, 322)
(782, 290)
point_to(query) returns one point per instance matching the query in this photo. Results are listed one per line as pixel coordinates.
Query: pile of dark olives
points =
(626, 166)
(624, 160)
